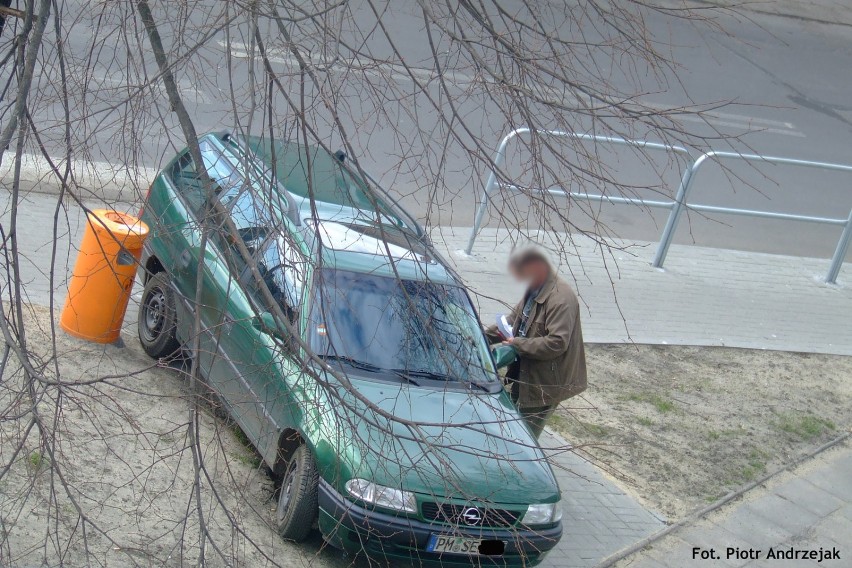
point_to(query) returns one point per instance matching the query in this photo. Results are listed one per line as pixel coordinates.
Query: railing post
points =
(674, 215)
(840, 252)
(490, 185)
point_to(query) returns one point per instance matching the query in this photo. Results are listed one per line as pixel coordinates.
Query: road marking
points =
(743, 122)
(398, 72)
(369, 67)
(187, 90)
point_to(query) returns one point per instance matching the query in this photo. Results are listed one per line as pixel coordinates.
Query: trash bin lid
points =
(119, 224)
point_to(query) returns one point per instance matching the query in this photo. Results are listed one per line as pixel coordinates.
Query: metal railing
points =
(680, 202)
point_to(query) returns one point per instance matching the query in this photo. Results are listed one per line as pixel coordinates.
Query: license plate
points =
(445, 544)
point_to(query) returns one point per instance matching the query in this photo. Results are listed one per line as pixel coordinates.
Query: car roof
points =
(375, 248)
(355, 228)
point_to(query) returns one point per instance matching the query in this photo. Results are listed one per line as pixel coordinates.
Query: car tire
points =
(157, 322)
(297, 507)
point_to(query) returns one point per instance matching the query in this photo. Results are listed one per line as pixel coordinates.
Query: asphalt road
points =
(784, 83)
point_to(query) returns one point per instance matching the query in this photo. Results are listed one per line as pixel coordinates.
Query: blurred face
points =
(531, 273)
(537, 272)
(519, 272)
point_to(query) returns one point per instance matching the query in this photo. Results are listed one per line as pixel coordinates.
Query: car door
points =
(188, 259)
(235, 316)
(275, 356)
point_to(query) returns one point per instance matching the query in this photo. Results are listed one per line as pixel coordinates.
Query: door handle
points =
(185, 259)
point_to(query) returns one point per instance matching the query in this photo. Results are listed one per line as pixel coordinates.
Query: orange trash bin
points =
(103, 276)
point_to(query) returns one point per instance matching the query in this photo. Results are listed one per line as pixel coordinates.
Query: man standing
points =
(547, 337)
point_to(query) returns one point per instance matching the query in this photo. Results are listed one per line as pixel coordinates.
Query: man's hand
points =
(509, 341)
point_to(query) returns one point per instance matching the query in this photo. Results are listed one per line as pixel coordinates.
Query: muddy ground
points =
(683, 426)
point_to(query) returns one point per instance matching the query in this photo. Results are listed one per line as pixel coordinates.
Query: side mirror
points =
(504, 355)
(266, 323)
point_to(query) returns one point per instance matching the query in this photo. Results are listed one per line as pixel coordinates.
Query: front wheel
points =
(157, 320)
(297, 508)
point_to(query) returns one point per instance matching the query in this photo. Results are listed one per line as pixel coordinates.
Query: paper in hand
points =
(504, 327)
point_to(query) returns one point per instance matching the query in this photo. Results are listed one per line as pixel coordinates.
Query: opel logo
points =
(471, 516)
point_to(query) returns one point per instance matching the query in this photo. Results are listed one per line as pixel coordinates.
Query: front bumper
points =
(355, 529)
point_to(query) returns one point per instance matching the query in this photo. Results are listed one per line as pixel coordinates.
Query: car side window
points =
(283, 270)
(187, 179)
(249, 212)
(188, 183)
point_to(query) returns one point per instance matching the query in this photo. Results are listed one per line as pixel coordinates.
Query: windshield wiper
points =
(363, 365)
(435, 376)
(404, 375)
(487, 387)
(423, 373)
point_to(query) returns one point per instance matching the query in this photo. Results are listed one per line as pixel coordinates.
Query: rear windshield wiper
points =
(363, 365)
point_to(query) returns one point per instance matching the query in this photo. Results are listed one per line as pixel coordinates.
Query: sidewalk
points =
(599, 518)
(703, 296)
(807, 509)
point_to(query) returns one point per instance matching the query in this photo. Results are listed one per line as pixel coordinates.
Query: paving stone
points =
(785, 513)
(834, 480)
(809, 496)
(709, 535)
(837, 528)
(754, 528)
(661, 307)
(599, 518)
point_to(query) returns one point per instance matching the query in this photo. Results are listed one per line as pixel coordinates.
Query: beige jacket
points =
(552, 356)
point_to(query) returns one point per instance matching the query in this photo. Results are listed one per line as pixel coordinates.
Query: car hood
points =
(446, 443)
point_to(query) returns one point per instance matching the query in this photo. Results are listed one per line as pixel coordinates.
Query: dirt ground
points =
(683, 426)
(122, 460)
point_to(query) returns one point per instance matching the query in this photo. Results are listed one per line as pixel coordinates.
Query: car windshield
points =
(419, 330)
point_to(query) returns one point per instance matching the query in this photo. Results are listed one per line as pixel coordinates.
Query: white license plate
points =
(445, 544)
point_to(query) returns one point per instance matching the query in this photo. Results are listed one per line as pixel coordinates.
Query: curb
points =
(701, 513)
(104, 181)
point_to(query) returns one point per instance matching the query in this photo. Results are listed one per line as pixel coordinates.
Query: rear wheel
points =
(297, 508)
(157, 320)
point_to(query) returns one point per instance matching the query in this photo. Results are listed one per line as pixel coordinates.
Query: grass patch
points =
(755, 466)
(595, 430)
(37, 461)
(251, 460)
(661, 403)
(249, 455)
(241, 437)
(645, 421)
(574, 426)
(557, 421)
(724, 434)
(804, 426)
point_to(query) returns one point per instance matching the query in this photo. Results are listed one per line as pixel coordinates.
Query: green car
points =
(347, 351)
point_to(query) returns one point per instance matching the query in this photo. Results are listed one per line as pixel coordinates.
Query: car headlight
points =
(543, 514)
(380, 496)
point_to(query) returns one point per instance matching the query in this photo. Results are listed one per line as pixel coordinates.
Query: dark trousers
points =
(536, 417)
